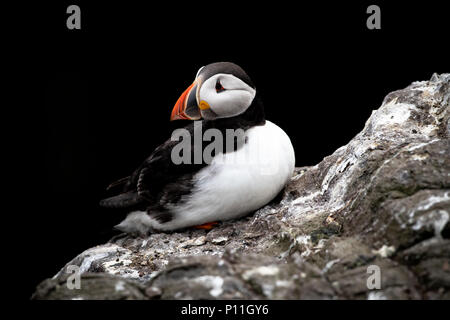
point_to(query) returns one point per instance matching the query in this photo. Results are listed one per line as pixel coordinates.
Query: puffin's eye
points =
(219, 87)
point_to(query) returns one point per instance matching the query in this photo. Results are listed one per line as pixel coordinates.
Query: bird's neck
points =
(253, 116)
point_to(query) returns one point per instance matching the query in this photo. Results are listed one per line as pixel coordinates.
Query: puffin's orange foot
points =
(207, 226)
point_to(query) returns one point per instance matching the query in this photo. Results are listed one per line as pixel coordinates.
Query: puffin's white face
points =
(214, 94)
(223, 96)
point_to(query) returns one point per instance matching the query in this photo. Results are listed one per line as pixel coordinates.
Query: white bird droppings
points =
(214, 283)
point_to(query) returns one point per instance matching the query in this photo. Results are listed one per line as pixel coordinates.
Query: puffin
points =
(164, 194)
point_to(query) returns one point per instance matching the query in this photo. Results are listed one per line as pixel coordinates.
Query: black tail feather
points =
(122, 200)
(118, 182)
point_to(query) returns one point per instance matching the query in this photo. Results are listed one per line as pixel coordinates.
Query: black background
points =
(100, 98)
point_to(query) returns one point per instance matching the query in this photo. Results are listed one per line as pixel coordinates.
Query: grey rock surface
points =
(383, 199)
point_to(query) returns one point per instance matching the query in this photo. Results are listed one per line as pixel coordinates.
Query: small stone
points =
(219, 240)
(385, 251)
(153, 292)
(194, 242)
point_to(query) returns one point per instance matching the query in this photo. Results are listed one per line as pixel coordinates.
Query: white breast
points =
(237, 183)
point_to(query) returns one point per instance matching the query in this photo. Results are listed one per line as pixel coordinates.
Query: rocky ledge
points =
(381, 200)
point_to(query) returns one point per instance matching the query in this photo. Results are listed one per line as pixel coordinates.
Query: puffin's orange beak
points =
(186, 107)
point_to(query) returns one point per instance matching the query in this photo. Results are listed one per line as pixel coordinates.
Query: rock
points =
(93, 286)
(382, 200)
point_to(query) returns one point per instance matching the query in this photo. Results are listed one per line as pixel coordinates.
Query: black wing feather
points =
(157, 182)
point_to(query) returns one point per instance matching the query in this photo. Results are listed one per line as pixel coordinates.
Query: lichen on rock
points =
(383, 199)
